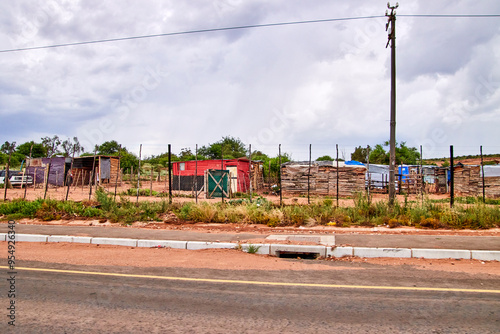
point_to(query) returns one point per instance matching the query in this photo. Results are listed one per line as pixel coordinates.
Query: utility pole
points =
(391, 27)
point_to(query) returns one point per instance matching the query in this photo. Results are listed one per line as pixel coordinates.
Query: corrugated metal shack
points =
(38, 167)
(322, 178)
(184, 173)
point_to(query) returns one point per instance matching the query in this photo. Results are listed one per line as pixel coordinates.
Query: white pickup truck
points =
(16, 178)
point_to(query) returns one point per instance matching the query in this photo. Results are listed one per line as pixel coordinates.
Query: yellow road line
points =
(212, 280)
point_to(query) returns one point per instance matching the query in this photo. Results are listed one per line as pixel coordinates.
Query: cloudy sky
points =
(321, 83)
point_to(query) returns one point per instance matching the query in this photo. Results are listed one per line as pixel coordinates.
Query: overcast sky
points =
(321, 83)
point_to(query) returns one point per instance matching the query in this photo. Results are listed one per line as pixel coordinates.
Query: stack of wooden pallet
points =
(467, 180)
(321, 178)
(492, 186)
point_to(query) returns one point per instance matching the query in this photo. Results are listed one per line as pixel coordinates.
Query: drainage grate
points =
(296, 255)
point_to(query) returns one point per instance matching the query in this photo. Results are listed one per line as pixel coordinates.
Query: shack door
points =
(216, 183)
(233, 177)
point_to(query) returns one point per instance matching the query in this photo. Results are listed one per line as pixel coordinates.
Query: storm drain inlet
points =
(297, 255)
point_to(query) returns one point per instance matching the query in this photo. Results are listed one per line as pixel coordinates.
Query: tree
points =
(109, 148)
(8, 147)
(359, 154)
(407, 155)
(51, 145)
(325, 158)
(379, 156)
(16, 159)
(231, 147)
(71, 148)
(161, 159)
(404, 154)
(275, 164)
(260, 156)
(128, 160)
(187, 155)
(38, 150)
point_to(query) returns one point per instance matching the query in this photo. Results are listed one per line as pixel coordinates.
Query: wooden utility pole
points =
(482, 173)
(151, 182)
(309, 177)
(422, 174)
(92, 174)
(391, 26)
(279, 174)
(69, 178)
(169, 174)
(6, 179)
(250, 169)
(26, 168)
(139, 174)
(452, 178)
(222, 169)
(368, 171)
(118, 169)
(196, 173)
(47, 179)
(337, 147)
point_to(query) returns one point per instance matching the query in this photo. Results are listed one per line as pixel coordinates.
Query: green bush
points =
(20, 207)
(471, 214)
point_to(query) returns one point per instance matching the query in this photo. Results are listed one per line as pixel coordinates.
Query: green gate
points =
(216, 183)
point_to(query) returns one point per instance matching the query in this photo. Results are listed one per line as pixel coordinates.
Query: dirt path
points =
(80, 194)
(105, 255)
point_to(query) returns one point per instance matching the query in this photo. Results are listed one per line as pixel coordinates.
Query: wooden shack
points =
(466, 181)
(257, 169)
(321, 178)
(106, 170)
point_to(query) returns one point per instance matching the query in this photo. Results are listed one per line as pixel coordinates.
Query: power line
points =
(449, 15)
(242, 27)
(191, 32)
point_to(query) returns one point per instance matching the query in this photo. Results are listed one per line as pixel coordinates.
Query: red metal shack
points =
(184, 173)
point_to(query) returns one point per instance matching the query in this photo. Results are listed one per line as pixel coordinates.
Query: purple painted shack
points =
(59, 166)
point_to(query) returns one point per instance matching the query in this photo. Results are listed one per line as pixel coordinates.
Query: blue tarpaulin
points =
(354, 163)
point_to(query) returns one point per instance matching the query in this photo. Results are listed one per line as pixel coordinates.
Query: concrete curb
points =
(31, 237)
(382, 252)
(162, 243)
(262, 249)
(441, 253)
(271, 249)
(114, 241)
(196, 245)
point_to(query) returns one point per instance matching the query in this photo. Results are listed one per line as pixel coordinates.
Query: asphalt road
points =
(50, 302)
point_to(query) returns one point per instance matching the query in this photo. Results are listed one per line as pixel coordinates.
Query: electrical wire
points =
(190, 32)
(244, 27)
(450, 15)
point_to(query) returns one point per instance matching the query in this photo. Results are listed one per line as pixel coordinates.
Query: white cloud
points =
(321, 83)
